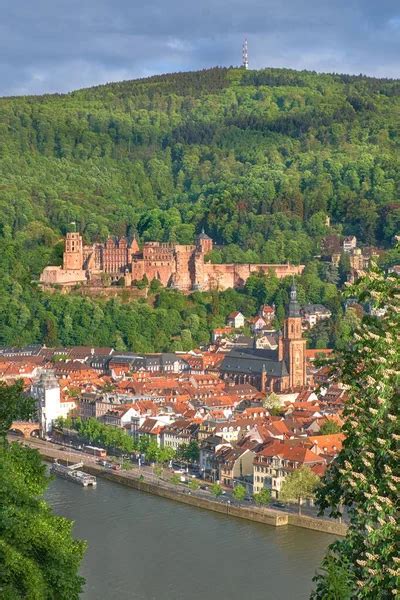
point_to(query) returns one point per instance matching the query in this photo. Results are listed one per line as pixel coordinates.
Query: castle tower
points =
(294, 346)
(204, 243)
(73, 253)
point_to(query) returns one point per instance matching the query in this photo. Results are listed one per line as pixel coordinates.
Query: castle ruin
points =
(183, 267)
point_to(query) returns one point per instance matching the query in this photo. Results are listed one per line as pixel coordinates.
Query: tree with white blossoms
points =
(365, 476)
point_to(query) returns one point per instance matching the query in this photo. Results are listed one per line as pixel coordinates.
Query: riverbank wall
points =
(259, 515)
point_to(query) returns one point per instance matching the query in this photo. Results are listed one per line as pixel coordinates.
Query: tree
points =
(239, 492)
(155, 286)
(165, 455)
(344, 268)
(190, 452)
(329, 427)
(364, 477)
(334, 581)
(14, 406)
(263, 497)
(273, 404)
(346, 327)
(194, 484)
(38, 556)
(301, 484)
(216, 490)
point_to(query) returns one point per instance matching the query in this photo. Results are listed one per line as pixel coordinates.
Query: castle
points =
(183, 267)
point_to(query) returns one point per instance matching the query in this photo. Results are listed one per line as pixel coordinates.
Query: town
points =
(244, 412)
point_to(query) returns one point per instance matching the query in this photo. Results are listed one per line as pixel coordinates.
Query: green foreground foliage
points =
(39, 559)
(259, 158)
(365, 476)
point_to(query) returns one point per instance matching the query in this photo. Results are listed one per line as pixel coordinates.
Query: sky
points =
(62, 45)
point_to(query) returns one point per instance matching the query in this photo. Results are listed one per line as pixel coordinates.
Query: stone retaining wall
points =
(324, 525)
(258, 515)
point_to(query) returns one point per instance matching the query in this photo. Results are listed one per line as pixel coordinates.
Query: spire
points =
(245, 55)
(294, 306)
(203, 235)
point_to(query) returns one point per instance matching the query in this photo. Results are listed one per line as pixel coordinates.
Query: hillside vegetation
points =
(259, 158)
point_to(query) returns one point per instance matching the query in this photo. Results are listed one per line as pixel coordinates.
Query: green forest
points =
(257, 158)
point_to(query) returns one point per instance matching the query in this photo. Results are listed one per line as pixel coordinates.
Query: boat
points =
(72, 473)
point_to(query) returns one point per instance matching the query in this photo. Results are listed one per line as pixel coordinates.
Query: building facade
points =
(184, 267)
(47, 393)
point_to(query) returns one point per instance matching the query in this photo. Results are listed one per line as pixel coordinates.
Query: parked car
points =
(278, 505)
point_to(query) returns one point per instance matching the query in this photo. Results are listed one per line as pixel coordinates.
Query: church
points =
(280, 370)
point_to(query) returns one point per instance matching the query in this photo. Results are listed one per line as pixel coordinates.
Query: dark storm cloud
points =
(60, 45)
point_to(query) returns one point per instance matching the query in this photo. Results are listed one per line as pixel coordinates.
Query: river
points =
(142, 547)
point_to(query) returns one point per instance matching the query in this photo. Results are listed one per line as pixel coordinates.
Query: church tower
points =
(294, 346)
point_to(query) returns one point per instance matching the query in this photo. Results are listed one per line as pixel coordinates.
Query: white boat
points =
(72, 473)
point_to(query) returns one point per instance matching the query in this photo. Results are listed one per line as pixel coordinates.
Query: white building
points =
(46, 391)
(349, 243)
(236, 320)
(314, 313)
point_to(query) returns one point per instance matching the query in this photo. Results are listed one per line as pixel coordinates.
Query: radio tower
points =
(245, 55)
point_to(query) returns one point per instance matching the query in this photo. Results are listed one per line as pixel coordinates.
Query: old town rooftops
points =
(288, 450)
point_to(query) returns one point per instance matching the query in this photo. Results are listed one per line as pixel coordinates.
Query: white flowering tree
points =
(365, 476)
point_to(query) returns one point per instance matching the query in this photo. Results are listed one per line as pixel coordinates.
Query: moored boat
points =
(72, 473)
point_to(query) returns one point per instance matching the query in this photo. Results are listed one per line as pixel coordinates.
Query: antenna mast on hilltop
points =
(245, 55)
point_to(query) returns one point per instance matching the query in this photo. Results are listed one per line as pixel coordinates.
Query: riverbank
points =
(159, 487)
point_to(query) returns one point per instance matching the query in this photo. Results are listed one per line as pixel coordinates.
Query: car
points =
(278, 505)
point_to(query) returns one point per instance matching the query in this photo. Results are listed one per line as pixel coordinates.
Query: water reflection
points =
(142, 547)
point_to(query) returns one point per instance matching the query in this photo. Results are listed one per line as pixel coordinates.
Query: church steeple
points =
(294, 306)
(294, 344)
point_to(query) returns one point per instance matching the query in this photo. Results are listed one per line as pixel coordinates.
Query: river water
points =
(142, 547)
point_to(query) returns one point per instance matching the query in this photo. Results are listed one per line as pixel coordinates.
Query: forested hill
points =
(259, 158)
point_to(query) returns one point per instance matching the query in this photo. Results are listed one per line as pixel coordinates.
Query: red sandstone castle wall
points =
(184, 274)
(226, 276)
(153, 270)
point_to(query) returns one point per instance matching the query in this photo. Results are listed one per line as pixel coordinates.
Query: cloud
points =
(48, 46)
